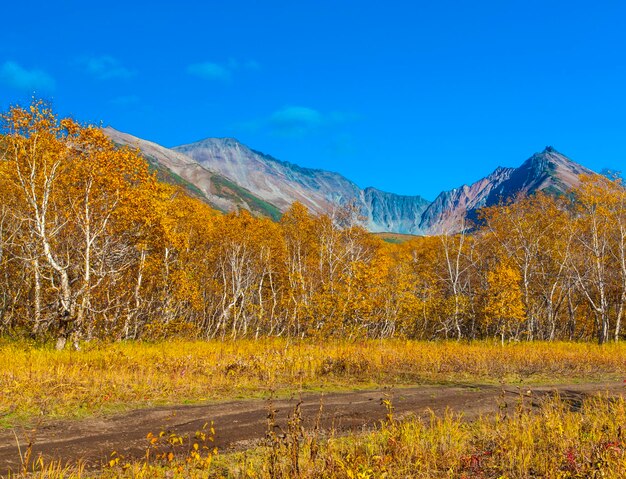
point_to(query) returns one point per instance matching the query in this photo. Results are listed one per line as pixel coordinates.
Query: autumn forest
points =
(93, 246)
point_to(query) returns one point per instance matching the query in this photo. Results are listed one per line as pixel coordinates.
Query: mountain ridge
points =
(282, 182)
(276, 181)
(218, 191)
(266, 185)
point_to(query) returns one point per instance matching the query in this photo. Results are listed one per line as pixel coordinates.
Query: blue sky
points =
(412, 97)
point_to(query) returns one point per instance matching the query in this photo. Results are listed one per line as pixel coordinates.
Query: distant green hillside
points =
(395, 238)
(168, 176)
(205, 184)
(228, 189)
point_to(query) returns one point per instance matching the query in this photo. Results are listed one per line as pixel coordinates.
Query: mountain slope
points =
(548, 171)
(173, 167)
(449, 210)
(275, 181)
(390, 212)
(281, 183)
(229, 175)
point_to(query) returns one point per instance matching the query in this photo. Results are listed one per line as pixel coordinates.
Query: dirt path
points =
(240, 424)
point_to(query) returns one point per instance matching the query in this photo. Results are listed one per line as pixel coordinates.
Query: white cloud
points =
(18, 77)
(218, 71)
(295, 120)
(125, 100)
(105, 67)
(209, 71)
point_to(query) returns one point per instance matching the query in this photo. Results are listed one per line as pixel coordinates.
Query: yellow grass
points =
(37, 381)
(553, 442)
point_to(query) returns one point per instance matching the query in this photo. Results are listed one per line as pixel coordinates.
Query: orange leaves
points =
(504, 297)
(92, 244)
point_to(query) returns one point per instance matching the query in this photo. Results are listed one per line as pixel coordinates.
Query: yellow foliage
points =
(504, 305)
(93, 246)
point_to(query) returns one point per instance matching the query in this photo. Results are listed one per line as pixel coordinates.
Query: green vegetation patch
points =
(229, 189)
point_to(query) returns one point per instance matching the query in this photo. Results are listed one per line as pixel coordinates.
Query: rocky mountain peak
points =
(226, 142)
(548, 170)
(549, 159)
(501, 172)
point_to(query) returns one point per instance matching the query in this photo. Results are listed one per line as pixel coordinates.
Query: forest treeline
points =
(92, 245)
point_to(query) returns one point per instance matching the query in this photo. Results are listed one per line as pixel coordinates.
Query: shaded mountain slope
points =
(548, 171)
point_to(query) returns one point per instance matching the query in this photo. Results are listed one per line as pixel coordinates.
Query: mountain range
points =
(229, 175)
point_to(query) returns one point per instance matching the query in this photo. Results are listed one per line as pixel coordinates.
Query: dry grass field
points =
(37, 381)
(551, 438)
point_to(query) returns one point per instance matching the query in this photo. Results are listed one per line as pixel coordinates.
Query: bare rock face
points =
(450, 209)
(174, 167)
(281, 183)
(229, 175)
(278, 182)
(388, 212)
(548, 171)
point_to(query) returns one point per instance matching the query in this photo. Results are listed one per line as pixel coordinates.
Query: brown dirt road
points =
(240, 424)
